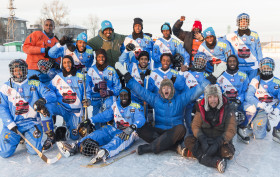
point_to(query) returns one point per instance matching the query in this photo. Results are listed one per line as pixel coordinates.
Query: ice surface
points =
(259, 158)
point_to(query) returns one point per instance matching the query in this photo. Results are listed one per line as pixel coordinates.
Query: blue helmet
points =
(241, 17)
(199, 60)
(267, 62)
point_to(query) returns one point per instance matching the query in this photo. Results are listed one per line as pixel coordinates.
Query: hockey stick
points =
(85, 116)
(40, 154)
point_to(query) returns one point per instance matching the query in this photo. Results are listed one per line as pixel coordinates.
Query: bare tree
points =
(3, 33)
(92, 25)
(55, 10)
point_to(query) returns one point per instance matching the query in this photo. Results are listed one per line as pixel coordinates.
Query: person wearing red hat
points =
(192, 39)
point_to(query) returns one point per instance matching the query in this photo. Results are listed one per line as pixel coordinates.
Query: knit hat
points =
(209, 32)
(143, 53)
(213, 90)
(127, 90)
(103, 52)
(167, 82)
(166, 26)
(138, 21)
(234, 56)
(197, 24)
(106, 24)
(73, 69)
(82, 36)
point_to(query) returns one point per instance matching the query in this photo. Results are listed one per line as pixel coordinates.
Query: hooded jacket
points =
(168, 112)
(111, 45)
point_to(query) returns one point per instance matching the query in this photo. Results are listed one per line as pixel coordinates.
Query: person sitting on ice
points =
(193, 78)
(169, 129)
(213, 127)
(69, 88)
(234, 85)
(217, 50)
(260, 102)
(18, 96)
(167, 44)
(81, 53)
(110, 140)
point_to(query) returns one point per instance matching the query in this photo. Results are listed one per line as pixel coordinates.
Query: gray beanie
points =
(213, 90)
(167, 82)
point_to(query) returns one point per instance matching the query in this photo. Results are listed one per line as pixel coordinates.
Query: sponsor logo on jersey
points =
(147, 42)
(49, 41)
(132, 110)
(80, 81)
(69, 81)
(212, 50)
(80, 57)
(139, 41)
(265, 86)
(100, 72)
(252, 40)
(122, 111)
(165, 77)
(231, 80)
(110, 73)
(244, 39)
(276, 87)
(32, 88)
(20, 90)
(197, 76)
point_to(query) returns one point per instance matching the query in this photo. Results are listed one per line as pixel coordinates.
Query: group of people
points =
(191, 96)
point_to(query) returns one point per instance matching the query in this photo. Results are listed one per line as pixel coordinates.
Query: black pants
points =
(225, 151)
(161, 140)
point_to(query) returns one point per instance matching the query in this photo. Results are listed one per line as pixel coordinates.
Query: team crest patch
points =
(147, 42)
(265, 86)
(32, 88)
(275, 87)
(80, 81)
(165, 77)
(132, 110)
(75, 132)
(69, 81)
(122, 111)
(36, 134)
(81, 57)
(231, 80)
(110, 73)
(253, 40)
(139, 41)
(196, 76)
(7, 135)
(100, 72)
(241, 80)
(212, 51)
(49, 41)
(221, 49)
(20, 90)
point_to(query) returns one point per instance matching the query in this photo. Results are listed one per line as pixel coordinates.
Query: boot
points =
(49, 141)
(242, 135)
(145, 148)
(222, 165)
(276, 135)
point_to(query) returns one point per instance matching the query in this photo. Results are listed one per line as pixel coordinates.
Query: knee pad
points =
(89, 147)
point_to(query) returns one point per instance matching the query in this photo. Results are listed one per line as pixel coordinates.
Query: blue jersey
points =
(70, 91)
(247, 49)
(144, 44)
(123, 117)
(128, 58)
(193, 78)
(135, 72)
(17, 100)
(218, 54)
(263, 91)
(109, 75)
(234, 86)
(172, 46)
(158, 75)
(84, 58)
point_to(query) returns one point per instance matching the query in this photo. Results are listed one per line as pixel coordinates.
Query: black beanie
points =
(138, 21)
(103, 52)
(234, 56)
(73, 69)
(143, 53)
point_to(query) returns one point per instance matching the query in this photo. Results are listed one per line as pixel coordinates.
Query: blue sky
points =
(265, 15)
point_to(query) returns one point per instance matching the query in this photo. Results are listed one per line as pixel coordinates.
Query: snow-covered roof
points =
(73, 26)
(16, 18)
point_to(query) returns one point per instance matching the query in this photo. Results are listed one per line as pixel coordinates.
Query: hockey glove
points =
(85, 128)
(203, 143)
(86, 103)
(64, 40)
(215, 146)
(47, 52)
(219, 69)
(105, 93)
(130, 47)
(39, 106)
(14, 129)
(71, 47)
(127, 132)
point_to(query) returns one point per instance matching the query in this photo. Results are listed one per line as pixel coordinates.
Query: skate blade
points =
(276, 140)
(60, 148)
(242, 140)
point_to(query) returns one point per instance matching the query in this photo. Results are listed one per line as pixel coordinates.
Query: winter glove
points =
(55, 64)
(86, 103)
(71, 47)
(127, 132)
(130, 47)
(173, 79)
(64, 40)
(215, 146)
(47, 52)
(14, 129)
(203, 143)
(127, 77)
(148, 72)
(142, 76)
(219, 69)
(121, 68)
(39, 106)
(105, 93)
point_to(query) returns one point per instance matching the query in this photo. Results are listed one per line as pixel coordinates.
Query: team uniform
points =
(85, 58)
(216, 55)
(248, 50)
(107, 137)
(113, 84)
(16, 108)
(172, 46)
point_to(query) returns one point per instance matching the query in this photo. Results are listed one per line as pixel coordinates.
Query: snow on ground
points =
(259, 158)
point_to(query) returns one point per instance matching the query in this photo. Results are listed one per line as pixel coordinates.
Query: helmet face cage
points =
(267, 66)
(199, 61)
(18, 70)
(243, 21)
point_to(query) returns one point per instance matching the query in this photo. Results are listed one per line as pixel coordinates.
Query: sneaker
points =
(242, 135)
(101, 155)
(276, 135)
(50, 141)
(145, 148)
(222, 165)
(67, 149)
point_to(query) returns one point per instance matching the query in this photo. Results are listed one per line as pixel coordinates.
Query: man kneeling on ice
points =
(169, 129)
(109, 140)
(214, 127)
